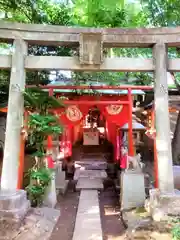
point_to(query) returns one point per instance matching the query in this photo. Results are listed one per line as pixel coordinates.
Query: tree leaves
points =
(41, 122)
(37, 99)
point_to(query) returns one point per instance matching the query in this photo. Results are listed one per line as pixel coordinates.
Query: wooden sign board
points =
(91, 138)
(91, 49)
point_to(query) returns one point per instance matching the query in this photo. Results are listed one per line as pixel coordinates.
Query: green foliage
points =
(41, 123)
(103, 13)
(94, 13)
(39, 182)
(176, 230)
(39, 100)
(34, 11)
(40, 126)
(43, 175)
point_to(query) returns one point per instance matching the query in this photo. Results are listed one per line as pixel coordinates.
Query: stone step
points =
(92, 165)
(85, 183)
(83, 173)
(88, 222)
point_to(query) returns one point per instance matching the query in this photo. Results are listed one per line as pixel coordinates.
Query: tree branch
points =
(176, 82)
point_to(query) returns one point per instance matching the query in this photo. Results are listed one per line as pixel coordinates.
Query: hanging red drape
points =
(50, 162)
(123, 161)
(107, 131)
(69, 141)
(117, 119)
(72, 115)
(63, 142)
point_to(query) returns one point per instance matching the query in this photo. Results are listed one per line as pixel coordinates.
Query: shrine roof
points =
(135, 125)
(103, 91)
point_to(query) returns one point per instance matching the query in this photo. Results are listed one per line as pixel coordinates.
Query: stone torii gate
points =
(91, 42)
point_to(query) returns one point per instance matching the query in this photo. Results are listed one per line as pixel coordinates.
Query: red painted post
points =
(130, 129)
(49, 138)
(22, 154)
(156, 184)
(49, 142)
(51, 91)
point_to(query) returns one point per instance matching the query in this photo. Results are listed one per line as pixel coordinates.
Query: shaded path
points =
(68, 205)
(112, 226)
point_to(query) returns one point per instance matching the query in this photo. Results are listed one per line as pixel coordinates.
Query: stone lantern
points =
(138, 131)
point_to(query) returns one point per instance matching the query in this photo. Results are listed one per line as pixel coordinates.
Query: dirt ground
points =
(112, 225)
(68, 205)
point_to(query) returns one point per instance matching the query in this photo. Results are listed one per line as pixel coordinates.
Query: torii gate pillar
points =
(15, 113)
(163, 141)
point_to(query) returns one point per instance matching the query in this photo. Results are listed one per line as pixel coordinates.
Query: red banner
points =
(74, 114)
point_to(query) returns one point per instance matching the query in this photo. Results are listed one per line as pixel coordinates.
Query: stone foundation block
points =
(13, 209)
(12, 200)
(162, 205)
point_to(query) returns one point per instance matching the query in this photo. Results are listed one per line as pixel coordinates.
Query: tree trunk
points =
(176, 142)
(176, 137)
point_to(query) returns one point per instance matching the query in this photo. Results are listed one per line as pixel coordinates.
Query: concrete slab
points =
(89, 183)
(88, 222)
(83, 173)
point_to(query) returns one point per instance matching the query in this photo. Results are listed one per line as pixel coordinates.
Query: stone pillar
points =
(162, 123)
(14, 117)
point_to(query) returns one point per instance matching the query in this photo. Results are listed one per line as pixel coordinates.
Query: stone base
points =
(50, 198)
(13, 208)
(161, 206)
(141, 226)
(132, 190)
(61, 182)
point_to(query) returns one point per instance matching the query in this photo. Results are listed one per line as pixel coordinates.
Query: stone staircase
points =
(91, 157)
(89, 182)
(90, 169)
(89, 179)
(90, 173)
